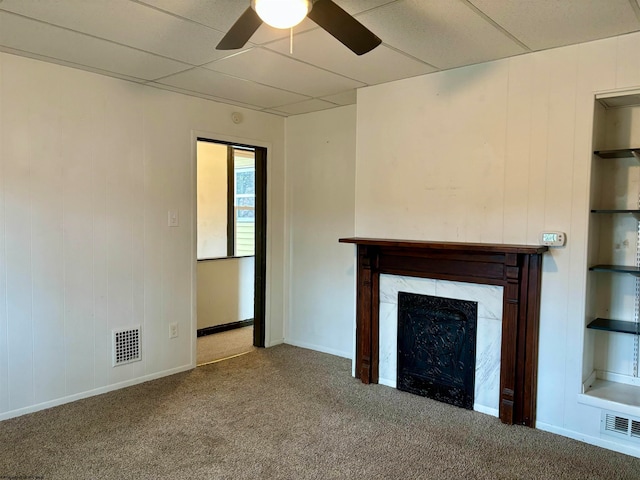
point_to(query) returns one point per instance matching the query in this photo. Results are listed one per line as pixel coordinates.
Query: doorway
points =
(231, 247)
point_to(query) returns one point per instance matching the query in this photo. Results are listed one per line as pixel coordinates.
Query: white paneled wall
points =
(89, 167)
(320, 210)
(225, 290)
(499, 152)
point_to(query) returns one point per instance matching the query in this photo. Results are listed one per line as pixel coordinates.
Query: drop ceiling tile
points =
(270, 68)
(358, 6)
(190, 93)
(218, 14)
(46, 40)
(345, 98)
(64, 63)
(223, 86)
(275, 112)
(199, 95)
(380, 65)
(267, 34)
(307, 106)
(128, 23)
(444, 34)
(550, 23)
(221, 15)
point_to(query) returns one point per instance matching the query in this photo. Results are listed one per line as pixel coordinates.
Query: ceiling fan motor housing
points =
(282, 13)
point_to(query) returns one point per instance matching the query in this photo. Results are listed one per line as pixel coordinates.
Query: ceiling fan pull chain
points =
(291, 42)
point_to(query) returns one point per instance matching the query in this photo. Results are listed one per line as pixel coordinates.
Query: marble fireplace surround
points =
(486, 340)
(517, 268)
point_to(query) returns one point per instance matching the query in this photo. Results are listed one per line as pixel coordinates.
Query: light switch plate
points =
(172, 218)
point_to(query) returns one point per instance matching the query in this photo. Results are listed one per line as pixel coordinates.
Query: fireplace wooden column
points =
(517, 268)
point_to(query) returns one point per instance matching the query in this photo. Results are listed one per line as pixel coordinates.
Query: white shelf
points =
(619, 397)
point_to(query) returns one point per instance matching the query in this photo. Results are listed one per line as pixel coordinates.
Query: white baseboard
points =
(90, 393)
(318, 348)
(597, 441)
(273, 343)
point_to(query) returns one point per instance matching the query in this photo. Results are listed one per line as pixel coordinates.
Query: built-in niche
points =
(611, 377)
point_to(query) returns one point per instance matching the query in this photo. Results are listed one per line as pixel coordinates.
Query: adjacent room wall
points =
(499, 152)
(225, 291)
(320, 209)
(89, 167)
(212, 188)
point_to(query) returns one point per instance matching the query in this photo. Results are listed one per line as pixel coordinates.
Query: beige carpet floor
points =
(285, 413)
(211, 348)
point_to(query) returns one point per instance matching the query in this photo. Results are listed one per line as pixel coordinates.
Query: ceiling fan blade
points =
(241, 31)
(355, 36)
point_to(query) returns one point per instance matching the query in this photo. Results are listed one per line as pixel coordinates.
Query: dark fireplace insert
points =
(437, 348)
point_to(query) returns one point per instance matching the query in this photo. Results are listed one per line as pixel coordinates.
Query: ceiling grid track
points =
(172, 45)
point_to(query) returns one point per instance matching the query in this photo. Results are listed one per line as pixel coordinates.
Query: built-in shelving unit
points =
(612, 334)
(606, 324)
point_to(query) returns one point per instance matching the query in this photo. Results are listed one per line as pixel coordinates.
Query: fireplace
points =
(437, 348)
(489, 299)
(515, 268)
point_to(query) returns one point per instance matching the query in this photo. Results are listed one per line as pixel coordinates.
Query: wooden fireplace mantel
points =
(517, 268)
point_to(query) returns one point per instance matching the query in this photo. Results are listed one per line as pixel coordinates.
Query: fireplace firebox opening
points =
(437, 348)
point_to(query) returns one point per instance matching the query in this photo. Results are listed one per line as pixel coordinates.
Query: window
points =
(244, 205)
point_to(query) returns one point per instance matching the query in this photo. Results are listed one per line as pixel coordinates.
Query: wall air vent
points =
(126, 346)
(621, 426)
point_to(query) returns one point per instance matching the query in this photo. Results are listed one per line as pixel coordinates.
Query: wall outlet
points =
(173, 330)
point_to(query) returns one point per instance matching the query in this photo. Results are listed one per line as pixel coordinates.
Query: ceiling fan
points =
(288, 13)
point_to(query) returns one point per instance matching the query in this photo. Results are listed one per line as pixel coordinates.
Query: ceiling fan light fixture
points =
(282, 13)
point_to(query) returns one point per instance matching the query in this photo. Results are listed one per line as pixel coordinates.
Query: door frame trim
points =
(262, 319)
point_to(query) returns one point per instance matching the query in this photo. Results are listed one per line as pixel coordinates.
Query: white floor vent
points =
(621, 426)
(126, 346)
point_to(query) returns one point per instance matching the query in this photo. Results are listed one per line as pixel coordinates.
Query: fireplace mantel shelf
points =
(517, 268)
(459, 246)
